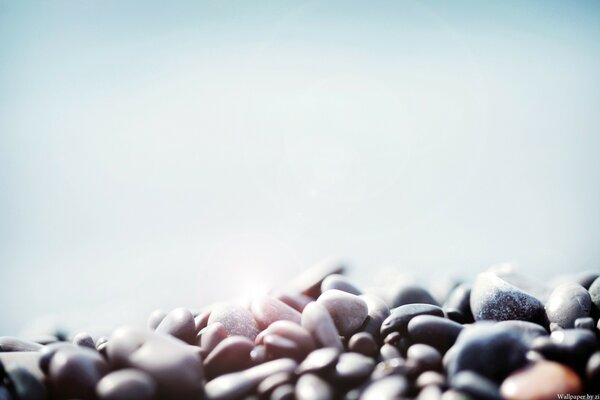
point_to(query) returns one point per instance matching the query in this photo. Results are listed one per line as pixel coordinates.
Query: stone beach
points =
(499, 336)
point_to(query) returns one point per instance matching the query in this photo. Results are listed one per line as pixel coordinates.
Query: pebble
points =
(317, 321)
(236, 385)
(236, 320)
(201, 320)
(528, 331)
(49, 351)
(427, 357)
(541, 381)
(283, 392)
(267, 309)
(155, 318)
(481, 343)
(363, 343)
(270, 383)
(476, 385)
(457, 306)
(230, 355)
(10, 343)
(84, 339)
(309, 282)
(319, 360)
(410, 294)
(396, 366)
(566, 303)
(211, 336)
(592, 370)
(5, 394)
(390, 387)
(594, 291)
(302, 339)
(438, 332)
(295, 300)
(586, 279)
(388, 352)
(378, 311)
(175, 366)
(126, 384)
(279, 347)
(180, 324)
(258, 355)
(348, 311)
(428, 378)
(399, 317)
(431, 392)
(585, 323)
(569, 346)
(339, 282)
(353, 368)
(493, 298)
(74, 372)
(25, 384)
(313, 387)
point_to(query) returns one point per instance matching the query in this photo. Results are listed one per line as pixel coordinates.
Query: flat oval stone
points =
(317, 321)
(84, 339)
(348, 311)
(175, 366)
(313, 387)
(270, 383)
(569, 346)
(295, 300)
(475, 385)
(479, 344)
(155, 318)
(390, 387)
(211, 336)
(75, 371)
(566, 303)
(25, 385)
(230, 355)
(411, 294)
(363, 343)
(289, 330)
(180, 324)
(458, 304)
(283, 392)
(236, 385)
(388, 352)
(10, 343)
(353, 368)
(339, 282)
(378, 312)
(267, 309)
(493, 298)
(319, 360)
(585, 323)
(126, 384)
(438, 332)
(428, 378)
(309, 282)
(427, 357)
(236, 320)
(434, 392)
(543, 380)
(401, 316)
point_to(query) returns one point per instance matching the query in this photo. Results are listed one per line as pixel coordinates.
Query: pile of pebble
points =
(501, 337)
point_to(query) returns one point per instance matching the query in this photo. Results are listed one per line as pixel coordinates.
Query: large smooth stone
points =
(353, 368)
(399, 317)
(378, 312)
(179, 323)
(389, 387)
(438, 332)
(410, 294)
(267, 309)
(10, 343)
(175, 366)
(527, 330)
(488, 350)
(339, 282)
(74, 372)
(493, 298)
(236, 385)
(236, 320)
(566, 303)
(309, 282)
(317, 321)
(313, 387)
(126, 384)
(230, 355)
(347, 310)
(542, 381)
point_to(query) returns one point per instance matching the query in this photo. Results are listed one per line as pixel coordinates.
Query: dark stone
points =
(401, 316)
(438, 332)
(363, 343)
(319, 360)
(25, 385)
(313, 387)
(411, 294)
(270, 383)
(571, 347)
(476, 386)
(9, 343)
(126, 384)
(585, 323)
(180, 324)
(389, 387)
(353, 368)
(378, 312)
(230, 355)
(426, 357)
(457, 306)
(568, 302)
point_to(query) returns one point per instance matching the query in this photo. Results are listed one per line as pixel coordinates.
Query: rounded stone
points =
(543, 380)
(74, 372)
(363, 343)
(353, 368)
(348, 311)
(378, 312)
(267, 309)
(155, 317)
(566, 303)
(427, 357)
(400, 317)
(438, 332)
(411, 294)
(319, 360)
(180, 324)
(571, 347)
(339, 282)
(230, 355)
(475, 385)
(10, 343)
(25, 385)
(313, 387)
(236, 320)
(594, 292)
(302, 339)
(458, 304)
(270, 383)
(126, 384)
(309, 281)
(389, 387)
(211, 336)
(283, 392)
(317, 321)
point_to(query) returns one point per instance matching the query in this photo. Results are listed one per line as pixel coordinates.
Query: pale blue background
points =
(155, 154)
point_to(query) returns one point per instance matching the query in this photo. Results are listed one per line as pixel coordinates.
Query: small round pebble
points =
(126, 384)
(313, 387)
(568, 302)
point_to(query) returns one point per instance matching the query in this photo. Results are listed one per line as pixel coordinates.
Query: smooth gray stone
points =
(230, 355)
(363, 343)
(348, 311)
(270, 383)
(319, 360)
(339, 282)
(428, 378)
(26, 385)
(74, 372)
(317, 321)
(390, 387)
(49, 351)
(427, 357)
(493, 298)
(237, 320)
(378, 312)
(236, 385)
(585, 323)
(411, 294)
(283, 392)
(180, 324)
(126, 384)
(401, 316)
(458, 302)
(291, 331)
(267, 309)
(211, 336)
(594, 291)
(258, 355)
(566, 303)
(309, 282)
(527, 330)
(84, 339)
(10, 343)
(592, 369)
(155, 318)
(280, 347)
(313, 387)
(353, 368)
(388, 352)
(571, 347)
(175, 366)
(476, 385)
(438, 332)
